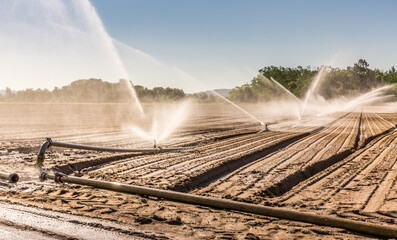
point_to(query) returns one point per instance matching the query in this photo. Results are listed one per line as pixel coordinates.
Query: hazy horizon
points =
(195, 46)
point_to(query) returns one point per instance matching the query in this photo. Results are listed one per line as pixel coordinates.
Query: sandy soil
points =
(341, 165)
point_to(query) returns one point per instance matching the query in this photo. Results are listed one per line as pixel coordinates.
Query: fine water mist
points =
(56, 42)
(285, 90)
(168, 74)
(296, 105)
(149, 71)
(341, 104)
(311, 90)
(316, 105)
(165, 120)
(198, 82)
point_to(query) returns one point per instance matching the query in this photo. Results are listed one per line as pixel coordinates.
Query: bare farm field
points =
(342, 164)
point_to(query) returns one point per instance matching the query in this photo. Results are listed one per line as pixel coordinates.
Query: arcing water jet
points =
(238, 107)
(170, 121)
(50, 41)
(290, 94)
(286, 90)
(312, 88)
(91, 10)
(222, 97)
(365, 98)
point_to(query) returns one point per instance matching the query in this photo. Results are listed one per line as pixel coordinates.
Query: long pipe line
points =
(48, 143)
(12, 178)
(108, 149)
(357, 226)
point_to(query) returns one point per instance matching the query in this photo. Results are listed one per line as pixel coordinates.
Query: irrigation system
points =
(49, 143)
(12, 178)
(357, 226)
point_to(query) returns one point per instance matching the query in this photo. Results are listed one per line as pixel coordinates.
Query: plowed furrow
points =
(247, 181)
(364, 182)
(150, 164)
(125, 165)
(321, 189)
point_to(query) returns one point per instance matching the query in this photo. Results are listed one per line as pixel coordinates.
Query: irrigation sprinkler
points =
(265, 129)
(49, 143)
(357, 226)
(12, 178)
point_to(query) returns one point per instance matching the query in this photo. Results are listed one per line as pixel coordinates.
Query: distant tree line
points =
(98, 91)
(93, 91)
(337, 82)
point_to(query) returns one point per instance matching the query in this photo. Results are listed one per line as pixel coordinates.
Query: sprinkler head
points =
(265, 129)
(14, 178)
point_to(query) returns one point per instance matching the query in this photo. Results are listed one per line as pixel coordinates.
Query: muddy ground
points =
(342, 165)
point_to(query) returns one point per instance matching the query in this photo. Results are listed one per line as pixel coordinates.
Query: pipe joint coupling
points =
(43, 176)
(58, 177)
(14, 178)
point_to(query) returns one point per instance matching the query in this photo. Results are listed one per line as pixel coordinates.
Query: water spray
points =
(219, 95)
(238, 107)
(12, 178)
(286, 90)
(312, 89)
(367, 97)
(265, 129)
(169, 121)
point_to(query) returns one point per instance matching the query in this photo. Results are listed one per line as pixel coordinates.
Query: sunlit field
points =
(197, 120)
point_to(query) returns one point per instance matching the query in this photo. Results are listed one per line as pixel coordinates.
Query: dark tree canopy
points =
(338, 82)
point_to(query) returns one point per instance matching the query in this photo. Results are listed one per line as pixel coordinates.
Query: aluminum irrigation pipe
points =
(357, 226)
(48, 143)
(12, 178)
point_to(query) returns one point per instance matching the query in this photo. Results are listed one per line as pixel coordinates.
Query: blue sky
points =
(211, 38)
(194, 45)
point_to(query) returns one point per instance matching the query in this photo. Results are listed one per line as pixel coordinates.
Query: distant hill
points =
(224, 92)
(3, 92)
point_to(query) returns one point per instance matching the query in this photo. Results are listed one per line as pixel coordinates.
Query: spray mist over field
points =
(163, 122)
(66, 40)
